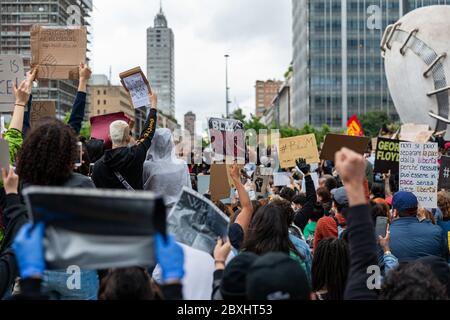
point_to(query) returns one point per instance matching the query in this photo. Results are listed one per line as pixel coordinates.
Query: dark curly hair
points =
(412, 281)
(48, 154)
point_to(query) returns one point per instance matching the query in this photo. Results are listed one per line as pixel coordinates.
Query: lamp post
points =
(227, 104)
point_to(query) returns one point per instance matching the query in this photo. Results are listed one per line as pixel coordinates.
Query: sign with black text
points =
(387, 156)
(227, 139)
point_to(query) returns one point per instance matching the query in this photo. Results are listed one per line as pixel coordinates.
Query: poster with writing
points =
(261, 181)
(444, 174)
(294, 148)
(41, 110)
(58, 51)
(387, 156)
(138, 90)
(228, 139)
(11, 72)
(197, 222)
(419, 171)
(281, 179)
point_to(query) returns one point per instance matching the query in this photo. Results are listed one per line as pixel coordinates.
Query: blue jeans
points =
(55, 285)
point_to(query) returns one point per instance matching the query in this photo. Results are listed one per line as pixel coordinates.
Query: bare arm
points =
(245, 216)
(22, 94)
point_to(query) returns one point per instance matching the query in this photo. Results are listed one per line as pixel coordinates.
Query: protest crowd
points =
(333, 231)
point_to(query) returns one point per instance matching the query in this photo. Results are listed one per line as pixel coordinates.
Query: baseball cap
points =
(340, 196)
(404, 200)
(276, 276)
(233, 284)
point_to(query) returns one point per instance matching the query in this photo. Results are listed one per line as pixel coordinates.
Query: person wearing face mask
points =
(123, 165)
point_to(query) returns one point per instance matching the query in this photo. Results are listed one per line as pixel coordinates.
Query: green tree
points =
(372, 122)
(255, 124)
(85, 127)
(238, 114)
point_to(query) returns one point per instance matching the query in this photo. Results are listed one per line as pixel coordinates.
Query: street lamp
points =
(227, 103)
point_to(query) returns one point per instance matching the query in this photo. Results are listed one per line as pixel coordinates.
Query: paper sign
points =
(100, 126)
(281, 179)
(227, 139)
(335, 142)
(2, 126)
(4, 155)
(444, 174)
(203, 184)
(419, 133)
(219, 186)
(11, 72)
(197, 222)
(41, 110)
(315, 178)
(354, 127)
(419, 171)
(97, 229)
(292, 149)
(138, 87)
(387, 156)
(58, 51)
(261, 181)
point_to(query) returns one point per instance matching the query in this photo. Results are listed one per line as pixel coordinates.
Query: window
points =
(98, 112)
(104, 92)
(104, 102)
(98, 102)
(98, 92)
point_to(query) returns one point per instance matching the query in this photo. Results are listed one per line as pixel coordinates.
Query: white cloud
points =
(255, 33)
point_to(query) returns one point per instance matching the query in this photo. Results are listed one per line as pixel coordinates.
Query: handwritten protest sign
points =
(419, 171)
(387, 156)
(57, 51)
(292, 149)
(444, 174)
(197, 222)
(261, 181)
(100, 126)
(11, 72)
(335, 142)
(41, 110)
(135, 82)
(228, 139)
(419, 133)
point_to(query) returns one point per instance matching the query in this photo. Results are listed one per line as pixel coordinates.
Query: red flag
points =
(354, 127)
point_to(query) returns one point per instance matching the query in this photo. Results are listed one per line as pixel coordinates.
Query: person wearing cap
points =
(329, 226)
(412, 239)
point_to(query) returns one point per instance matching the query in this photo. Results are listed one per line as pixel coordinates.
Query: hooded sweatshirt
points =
(164, 174)
(128, 161)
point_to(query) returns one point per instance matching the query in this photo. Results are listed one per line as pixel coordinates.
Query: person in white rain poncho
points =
(164, 174)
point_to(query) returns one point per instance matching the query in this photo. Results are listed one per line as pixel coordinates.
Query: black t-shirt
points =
(236, 235)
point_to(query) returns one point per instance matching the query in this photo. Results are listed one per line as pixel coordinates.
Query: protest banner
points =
(292, 149)
(197, 222)
(281, 179)
(354, 127)
(57, 51)
(419, 133)
(203, 184)
(444, 174)
(137, 85)
(4, 155)
(419, 171)
(261, 181)
(335, 142)
(227, 139)
(387, 156)
(41, 110)
(219, 186)
(97, 229)
(100, 127)
(11, 72)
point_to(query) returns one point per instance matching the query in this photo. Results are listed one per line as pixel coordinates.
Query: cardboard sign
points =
(292, 149)
(219, 186)
(137, 85)
(4, 155)
(58, 51)
(261, 181)
(197, 222)
(227, 139)
(97, 229)
(387, 156)
(41, 110)
(354, 127)
(203, 184)
(11, 72)
(444, 174)
(419, 171)
(419, 133)
(100, 126)
(335, 142)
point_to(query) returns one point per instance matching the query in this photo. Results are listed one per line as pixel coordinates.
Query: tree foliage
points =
(374, 121)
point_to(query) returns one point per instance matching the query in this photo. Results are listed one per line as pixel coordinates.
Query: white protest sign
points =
(281, 179)
(11, 71)
(419, 171)
(138, 90)
(315, 178)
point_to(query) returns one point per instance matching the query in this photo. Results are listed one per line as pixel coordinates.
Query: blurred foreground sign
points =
(11, 72)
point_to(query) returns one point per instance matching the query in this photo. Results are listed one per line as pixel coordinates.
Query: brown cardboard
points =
(11, 72)
(294, 148)
(219, 186)
(41, 110)
(335, 142)
(58, 51)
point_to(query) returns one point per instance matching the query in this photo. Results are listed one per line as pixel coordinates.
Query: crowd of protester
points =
(319, 243)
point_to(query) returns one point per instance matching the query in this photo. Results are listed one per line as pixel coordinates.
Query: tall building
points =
(161, 63)
(265, 92)
(338, 69)
(16, 20)
(189, 123)
(282, 103)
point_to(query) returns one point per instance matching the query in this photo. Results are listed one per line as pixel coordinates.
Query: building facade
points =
(189, 123)
(338, 68)
(265, 91)
(282, 103)
(16, 20)
(161, 63)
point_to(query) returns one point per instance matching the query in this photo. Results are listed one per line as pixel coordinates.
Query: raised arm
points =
(361, 232)
(302, 218)
(147, 134)
(246, 214)
(79, 105)
(22, 94)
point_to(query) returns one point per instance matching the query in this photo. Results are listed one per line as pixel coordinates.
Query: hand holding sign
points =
(84, 71)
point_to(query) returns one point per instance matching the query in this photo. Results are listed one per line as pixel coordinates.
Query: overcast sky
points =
(255, 33)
